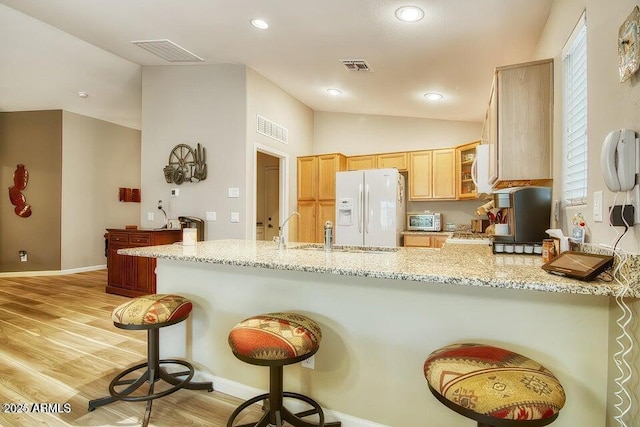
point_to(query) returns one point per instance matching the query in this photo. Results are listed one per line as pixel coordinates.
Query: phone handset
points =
(618, 160)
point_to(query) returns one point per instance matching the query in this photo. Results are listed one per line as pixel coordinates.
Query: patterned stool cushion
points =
(152, 309)
(275, 336)
(494, 382)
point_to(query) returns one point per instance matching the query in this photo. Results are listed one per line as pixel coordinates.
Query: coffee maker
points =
(193, 222)
(528, 213)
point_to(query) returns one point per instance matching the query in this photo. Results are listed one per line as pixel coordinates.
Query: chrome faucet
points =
(280, 229)
(328, 236)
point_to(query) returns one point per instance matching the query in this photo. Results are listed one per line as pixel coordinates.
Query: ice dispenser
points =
(345, 211)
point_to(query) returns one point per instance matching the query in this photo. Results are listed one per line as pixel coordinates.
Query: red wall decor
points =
(20, 179)
(129, 194)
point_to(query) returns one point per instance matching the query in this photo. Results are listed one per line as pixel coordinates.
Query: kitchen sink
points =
(348, 249)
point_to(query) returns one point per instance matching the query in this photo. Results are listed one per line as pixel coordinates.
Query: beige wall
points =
(271, 102)
(203, 104)
(353, 134)
(34, 139)
(98, 157)
(612, 105)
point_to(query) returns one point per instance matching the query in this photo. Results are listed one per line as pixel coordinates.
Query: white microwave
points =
(421, 221)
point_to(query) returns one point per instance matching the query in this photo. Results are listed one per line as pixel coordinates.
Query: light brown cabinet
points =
(317, 177)
(465, 156)
(432, 174)
(425, 240)
(519, 125)
(355, 163)
(129, 275)
(399, 161)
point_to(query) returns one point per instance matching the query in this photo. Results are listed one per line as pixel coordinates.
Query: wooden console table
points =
(134, 276)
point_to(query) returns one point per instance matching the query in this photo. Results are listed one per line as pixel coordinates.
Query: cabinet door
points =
(307, 222)
(420, 171)
(307, 177)
(465, 155)
(326, 212)
(361, 162)
(417, 240)
(444, 174)
(117, 264)
(525, 100)
(328, 165)
(438, 241)
(392, 160)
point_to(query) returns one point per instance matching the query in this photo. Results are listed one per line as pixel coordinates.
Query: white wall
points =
(271, 102)
(612, 105)
(203, 104)
(353, 134)
(98, 157)
(43, 68)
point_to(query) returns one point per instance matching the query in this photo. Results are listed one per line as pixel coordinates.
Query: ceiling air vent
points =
(272, 130)
(356, 65)
(168, 50)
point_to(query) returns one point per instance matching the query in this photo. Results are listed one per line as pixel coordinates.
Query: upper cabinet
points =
(518, 125)
(393, 160)
(432, 174)
(355, 163)
(307, 178)
(465, 157)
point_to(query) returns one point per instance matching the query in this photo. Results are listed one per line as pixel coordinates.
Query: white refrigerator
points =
(370, 207)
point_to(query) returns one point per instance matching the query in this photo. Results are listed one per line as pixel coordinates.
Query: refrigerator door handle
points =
(360, 212)
(366, 206)
(474, 171)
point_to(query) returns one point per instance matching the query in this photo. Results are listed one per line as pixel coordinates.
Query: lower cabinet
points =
(430, 240)
(134, 276)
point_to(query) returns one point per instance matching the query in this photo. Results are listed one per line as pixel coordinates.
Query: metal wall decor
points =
(186, 165)
(20, 179)
(629, 45)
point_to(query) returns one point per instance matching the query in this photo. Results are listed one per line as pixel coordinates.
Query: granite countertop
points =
(470, 265)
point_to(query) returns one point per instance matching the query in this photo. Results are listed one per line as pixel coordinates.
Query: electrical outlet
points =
(309, 362)
(150, 216)
(210, 216)
(175, 192)
(235, 216)
(597, 206)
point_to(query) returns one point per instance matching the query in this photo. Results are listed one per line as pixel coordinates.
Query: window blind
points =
(575, 116)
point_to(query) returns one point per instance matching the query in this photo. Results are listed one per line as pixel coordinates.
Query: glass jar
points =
(548, 250)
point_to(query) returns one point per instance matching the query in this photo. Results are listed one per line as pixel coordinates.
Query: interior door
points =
(271, 199)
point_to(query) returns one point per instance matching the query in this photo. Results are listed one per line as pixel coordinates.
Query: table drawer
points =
(119, 237)
(139, 239)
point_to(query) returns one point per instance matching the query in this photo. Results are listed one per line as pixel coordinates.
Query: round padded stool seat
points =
(275, 338)
(492, 385)
(151, 311)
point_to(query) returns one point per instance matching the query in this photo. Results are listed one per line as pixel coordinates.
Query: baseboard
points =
(52, 272)
(244, 392)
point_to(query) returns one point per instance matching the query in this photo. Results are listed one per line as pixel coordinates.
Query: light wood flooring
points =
(58, 345)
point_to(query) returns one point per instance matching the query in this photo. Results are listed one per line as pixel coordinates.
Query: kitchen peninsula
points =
(381, 314)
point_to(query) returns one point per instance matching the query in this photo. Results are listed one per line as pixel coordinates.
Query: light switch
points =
(150, 216)
(235, 216)
(233, 192)
(175, 192)
(210, 216)
(597, 206)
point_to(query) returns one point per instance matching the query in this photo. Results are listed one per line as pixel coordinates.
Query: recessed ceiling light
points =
(432, 96)
(409, 14)
(83, 94)
(259, 23)
(334, 92)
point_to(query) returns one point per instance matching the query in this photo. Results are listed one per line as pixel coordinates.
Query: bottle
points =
(548, 250)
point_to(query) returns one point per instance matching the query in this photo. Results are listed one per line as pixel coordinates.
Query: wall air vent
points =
(356, 65)
(168, 50)
(272, 130)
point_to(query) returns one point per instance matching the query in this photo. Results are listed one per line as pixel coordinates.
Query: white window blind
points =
(574, 60)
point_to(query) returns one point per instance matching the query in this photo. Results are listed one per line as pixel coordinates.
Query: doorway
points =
(271, 189)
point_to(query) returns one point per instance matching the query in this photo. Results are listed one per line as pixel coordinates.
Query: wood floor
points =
(58, 345)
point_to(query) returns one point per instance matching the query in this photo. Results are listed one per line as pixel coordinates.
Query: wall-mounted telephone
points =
(619, 160)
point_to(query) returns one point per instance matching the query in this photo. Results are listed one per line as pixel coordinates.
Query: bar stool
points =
(150, 313)
(494, 386)
(276, 340)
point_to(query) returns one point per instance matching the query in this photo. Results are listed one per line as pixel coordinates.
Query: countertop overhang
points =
(470, 265)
